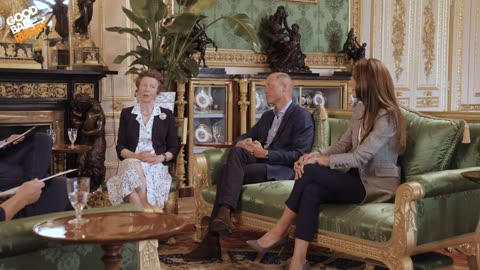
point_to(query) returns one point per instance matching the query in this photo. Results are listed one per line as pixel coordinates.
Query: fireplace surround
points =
(41, 97)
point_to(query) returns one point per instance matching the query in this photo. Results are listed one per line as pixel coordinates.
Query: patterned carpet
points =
(237, 255)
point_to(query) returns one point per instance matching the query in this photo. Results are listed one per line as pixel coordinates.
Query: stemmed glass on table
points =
(51, 133)
(216, 132)
(72, 136)
(78, 189)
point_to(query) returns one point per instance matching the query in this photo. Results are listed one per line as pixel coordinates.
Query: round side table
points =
(472, 175)
(59, 152)
(111, 230)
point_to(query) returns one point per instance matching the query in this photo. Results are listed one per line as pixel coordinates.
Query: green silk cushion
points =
(430, 143)
(468, 155)
(337, 128)
(459, 209)
(215, 160)
(431, 261)
(369, 221)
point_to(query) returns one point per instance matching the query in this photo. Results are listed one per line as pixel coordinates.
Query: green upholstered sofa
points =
(434, 208)
(21, 249)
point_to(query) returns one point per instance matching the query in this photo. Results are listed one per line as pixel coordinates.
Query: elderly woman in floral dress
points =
(147, 140)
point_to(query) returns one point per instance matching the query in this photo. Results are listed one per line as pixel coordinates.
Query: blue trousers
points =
(319, 185)
(241, 168)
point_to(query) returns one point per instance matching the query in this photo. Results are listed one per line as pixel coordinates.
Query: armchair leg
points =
(474, 260)
(403, 263)
(149, 255)
(201, 229)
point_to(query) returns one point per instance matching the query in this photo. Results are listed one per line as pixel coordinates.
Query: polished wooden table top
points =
(472, 175)
(66, 148)
(111, 227)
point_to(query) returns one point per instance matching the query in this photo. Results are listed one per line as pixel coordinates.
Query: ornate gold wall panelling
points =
(404, 102)
(83, 88)
(411, 38)
(398, 35)
(465, 51)
(427, 102)
(33, 90)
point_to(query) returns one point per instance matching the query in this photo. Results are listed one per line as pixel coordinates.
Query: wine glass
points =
(51, 133)
(72, 136)
(216, 132)
(78, 189)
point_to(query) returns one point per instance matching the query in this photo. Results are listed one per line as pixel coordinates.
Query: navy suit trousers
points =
(240, 168)
(319, 185)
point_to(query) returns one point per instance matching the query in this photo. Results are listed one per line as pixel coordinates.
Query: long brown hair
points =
(374, 87)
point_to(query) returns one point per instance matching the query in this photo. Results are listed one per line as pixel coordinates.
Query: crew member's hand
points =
(14, 137)
(29, 192)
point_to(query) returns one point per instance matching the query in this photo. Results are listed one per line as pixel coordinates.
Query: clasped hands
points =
(255, 148)
(150, 157)
(310, 158)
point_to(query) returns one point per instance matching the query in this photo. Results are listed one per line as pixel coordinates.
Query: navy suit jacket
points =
(164, 133)
(293, 139)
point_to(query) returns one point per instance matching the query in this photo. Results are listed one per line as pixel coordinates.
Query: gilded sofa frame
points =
(394, 253)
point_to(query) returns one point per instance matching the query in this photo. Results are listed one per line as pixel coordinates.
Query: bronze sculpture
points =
(85, 7)
(201, 40)
(89, 118)
(282, 43)
(352, 49)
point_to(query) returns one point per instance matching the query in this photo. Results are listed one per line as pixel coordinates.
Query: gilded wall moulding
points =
(404, 102)
(117, 106)
(33, 90)
(469, 107)
(429, 38)
(398, 36)
(245, 58)
(83, 88)
(428, 102)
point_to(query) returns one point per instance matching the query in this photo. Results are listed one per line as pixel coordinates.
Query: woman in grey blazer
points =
(369, 148)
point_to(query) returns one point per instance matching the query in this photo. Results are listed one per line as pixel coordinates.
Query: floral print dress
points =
(157, 178)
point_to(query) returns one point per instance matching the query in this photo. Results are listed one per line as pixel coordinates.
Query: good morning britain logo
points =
(23, 26)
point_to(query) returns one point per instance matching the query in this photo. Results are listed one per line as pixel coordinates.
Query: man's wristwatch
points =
(266, 154)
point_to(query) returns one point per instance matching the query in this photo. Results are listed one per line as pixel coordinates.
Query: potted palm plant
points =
(165, 41)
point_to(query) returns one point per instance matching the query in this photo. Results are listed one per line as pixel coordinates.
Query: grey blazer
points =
(375, 157)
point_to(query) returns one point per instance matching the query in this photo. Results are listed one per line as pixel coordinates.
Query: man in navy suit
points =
(266, 152)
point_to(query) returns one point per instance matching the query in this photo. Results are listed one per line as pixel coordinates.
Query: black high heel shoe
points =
(262, 250)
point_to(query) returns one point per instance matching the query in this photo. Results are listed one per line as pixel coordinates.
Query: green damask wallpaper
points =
(323, 26)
